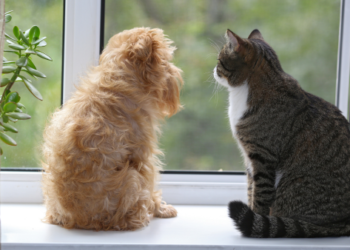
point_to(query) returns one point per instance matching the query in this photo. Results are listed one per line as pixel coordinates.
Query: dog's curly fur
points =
(100, 150)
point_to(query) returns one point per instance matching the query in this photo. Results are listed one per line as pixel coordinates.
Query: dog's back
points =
(100, 148)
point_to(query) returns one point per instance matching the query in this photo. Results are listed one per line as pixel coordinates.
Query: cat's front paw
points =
(166, 211)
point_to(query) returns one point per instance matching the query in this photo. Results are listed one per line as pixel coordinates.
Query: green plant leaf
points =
(32, 89)
(16, 32)
(4, 59)
(12, 119)
(10, 128)
(20, 105)
(7, 18)
(10, 42)
(4, 82)
(29, 51)
(2, 128)
(22, 62)
(10, 37)
(12, 97)
(30, 74)
(11, 51)
(16, 47)
(8, 12)
(18, 110)
(18, 79)
(10, 107)
(35, 72)
(39, 40)
(8, 69)
(43, 55)
(31, 64)
(7, 91)
(34, 34)
(22, 77)
(42, 44)
(19, 116)
(7, 139)
(24, 39)
(5, 119)
(8, 63)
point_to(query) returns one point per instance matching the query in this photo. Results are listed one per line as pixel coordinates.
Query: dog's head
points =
(142, 57)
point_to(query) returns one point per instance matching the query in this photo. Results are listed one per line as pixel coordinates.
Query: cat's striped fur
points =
(296, 148)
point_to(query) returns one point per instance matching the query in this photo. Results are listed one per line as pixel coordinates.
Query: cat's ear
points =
(234, 40)
(256, 35)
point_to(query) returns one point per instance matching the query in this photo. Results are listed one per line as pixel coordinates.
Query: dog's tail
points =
(254, 225)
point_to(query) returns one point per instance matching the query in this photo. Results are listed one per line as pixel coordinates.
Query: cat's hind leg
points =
(250, 190)
(263, 192)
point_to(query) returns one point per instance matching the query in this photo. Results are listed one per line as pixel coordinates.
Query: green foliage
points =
(9, 110)
(48, 15)
(304, 34)
(8, 17)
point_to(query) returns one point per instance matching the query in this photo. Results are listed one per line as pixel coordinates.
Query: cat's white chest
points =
(238, 97)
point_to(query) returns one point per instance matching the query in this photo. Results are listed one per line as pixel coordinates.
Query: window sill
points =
(176, 189)
(196, 227)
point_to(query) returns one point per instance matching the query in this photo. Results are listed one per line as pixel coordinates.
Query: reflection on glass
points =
(304, 34)
(48, 15)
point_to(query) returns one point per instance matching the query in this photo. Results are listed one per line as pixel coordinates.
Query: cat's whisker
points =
(223, 40)
(216, 88)
(216, 46)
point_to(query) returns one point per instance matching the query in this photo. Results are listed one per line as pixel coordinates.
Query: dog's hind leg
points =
(162, 210)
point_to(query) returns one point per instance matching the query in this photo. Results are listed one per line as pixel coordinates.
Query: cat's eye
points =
(223, 65)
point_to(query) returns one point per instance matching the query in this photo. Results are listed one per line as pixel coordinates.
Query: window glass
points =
(48, 16)
(304, 33)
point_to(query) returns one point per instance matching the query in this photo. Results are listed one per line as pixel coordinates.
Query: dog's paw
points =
(166, 211)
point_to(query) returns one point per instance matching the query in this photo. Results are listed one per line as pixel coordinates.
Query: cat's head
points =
(240, 58)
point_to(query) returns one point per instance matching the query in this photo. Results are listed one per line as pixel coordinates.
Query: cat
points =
(296, 147)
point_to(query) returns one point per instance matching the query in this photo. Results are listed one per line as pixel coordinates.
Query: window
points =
(303, 33)
(48, 15)
(82, 48)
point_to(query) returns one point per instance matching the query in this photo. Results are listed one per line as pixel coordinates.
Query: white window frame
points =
(193, 189)
(343, 66)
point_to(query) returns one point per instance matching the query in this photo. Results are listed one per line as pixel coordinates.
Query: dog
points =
(101, 148)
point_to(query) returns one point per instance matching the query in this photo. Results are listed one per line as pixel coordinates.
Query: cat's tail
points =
(254, 225)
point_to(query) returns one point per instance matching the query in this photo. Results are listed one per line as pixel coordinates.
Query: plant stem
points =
(9, 86)
(13, 80)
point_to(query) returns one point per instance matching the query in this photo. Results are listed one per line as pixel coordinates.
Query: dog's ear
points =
(142, 49)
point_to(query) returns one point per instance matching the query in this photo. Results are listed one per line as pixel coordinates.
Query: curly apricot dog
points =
(100, 149)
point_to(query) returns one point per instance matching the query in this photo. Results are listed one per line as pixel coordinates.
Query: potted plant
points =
(25, 45)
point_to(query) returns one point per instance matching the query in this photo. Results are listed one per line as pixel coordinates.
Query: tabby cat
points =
(296, 147)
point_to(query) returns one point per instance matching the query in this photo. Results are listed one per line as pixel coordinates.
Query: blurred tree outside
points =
(48, 15)
(304, 33)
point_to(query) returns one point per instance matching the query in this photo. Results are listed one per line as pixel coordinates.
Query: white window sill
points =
(22, 187)
(196, 227)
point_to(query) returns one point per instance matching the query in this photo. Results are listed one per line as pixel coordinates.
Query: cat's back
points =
(312, 132)
(317, 125)
(314, 161)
